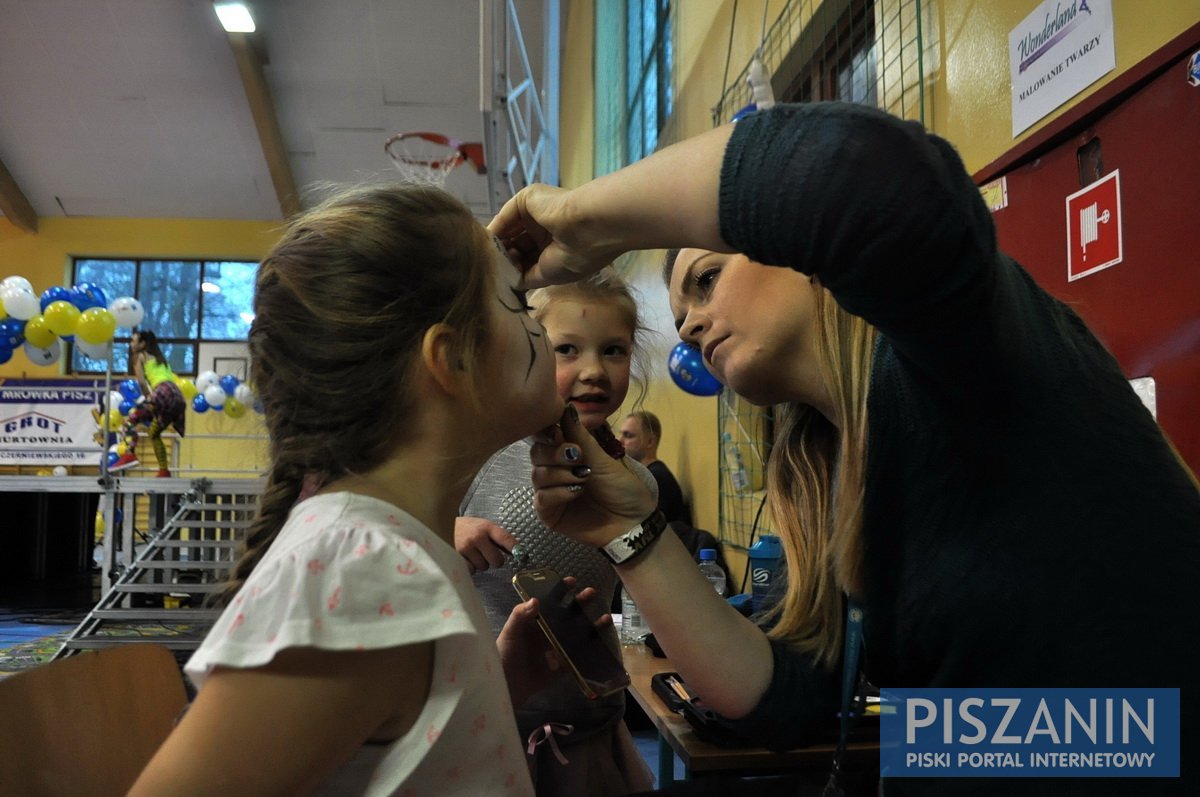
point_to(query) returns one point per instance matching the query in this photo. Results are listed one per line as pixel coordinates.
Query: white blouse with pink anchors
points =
(348, 572)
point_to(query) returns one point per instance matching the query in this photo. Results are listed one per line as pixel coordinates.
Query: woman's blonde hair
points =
(606, 285)
(816, 483)
(815, 486)
(341, 304)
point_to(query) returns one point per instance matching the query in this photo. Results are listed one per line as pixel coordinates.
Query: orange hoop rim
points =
(458, 152)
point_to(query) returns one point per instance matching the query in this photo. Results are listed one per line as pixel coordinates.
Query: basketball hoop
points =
(429, 157)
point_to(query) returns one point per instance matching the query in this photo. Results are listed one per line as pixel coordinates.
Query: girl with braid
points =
(393, 354)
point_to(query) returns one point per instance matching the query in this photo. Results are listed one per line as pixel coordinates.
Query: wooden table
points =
(676, 737)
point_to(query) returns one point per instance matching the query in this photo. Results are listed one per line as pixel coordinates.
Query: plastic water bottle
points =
(759, 81)
(733, 461)
(632, 627)
(711, 570)
(765, 556)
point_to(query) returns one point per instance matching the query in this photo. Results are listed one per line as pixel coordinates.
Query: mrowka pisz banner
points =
(48, 422)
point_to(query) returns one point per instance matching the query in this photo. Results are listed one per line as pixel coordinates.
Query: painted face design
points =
(518, 373)
(521, 308)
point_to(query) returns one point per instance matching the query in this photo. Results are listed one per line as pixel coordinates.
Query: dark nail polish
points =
(580, 471)
(571, 454)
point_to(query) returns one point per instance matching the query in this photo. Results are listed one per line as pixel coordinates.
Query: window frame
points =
(193, 343)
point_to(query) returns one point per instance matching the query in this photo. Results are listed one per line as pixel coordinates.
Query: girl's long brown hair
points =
(341, 304)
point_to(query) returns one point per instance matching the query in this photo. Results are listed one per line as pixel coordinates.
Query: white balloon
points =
(19, 303)
(19, 282)
(215, 396)
(127, 310)
(60, 470)
(244, 394)
(206, 378)
(114, 400)
(97, 351)
(46, 356)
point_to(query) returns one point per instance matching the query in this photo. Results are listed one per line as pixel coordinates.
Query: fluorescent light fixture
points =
(210, 287)
(235, 17)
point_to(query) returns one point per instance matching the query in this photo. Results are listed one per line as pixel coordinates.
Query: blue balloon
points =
(743, 113)
(130, 389)
(111, 457)
(199, 403)
(126, 407)
(6, 352)
(55, 294)
(88, 294)
(12, 332)
(229, 384)
(686, 366)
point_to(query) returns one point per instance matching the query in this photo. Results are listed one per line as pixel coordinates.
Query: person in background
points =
(392, 353)
(641, 432)
(956, 452)
(592, 327)
(163, 404)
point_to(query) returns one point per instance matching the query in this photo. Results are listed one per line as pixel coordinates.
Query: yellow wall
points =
(967, 101)
(44, 259)
(971, 99)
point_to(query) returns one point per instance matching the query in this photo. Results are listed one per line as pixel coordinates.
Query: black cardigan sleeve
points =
(800, 703)
(884, 214)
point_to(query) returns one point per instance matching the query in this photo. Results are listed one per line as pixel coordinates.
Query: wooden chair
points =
(88, 724)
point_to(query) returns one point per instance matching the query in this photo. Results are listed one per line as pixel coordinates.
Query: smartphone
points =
(574, 636)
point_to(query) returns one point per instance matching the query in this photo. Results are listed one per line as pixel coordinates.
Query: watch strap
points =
(633, 542)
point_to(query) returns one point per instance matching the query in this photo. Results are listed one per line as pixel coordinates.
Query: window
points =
(187, 302)
(634, 65)
(836, 58)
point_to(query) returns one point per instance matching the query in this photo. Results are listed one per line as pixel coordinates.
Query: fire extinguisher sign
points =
(1094, 227)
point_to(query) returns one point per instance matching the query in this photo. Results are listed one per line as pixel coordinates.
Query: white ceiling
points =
(135, 108)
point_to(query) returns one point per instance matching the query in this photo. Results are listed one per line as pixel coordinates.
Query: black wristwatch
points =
(636, 540)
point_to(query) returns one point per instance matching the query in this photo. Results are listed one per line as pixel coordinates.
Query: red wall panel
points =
(1146, 309)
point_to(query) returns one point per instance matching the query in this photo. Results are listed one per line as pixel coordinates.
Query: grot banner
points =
(1029, 733)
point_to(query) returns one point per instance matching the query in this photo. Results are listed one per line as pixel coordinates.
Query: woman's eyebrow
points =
(688, 286)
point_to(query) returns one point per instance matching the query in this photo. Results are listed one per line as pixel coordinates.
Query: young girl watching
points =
(392, 353)
(581, 746)
(163, 406)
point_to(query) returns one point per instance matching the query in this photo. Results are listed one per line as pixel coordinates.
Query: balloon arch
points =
(83, 315)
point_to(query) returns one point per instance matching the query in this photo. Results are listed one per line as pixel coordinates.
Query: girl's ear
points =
(439, 355)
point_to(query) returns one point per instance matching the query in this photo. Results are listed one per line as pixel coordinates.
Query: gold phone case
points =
(591, 688)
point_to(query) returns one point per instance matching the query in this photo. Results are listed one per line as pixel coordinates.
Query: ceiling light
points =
(210, 287)
(235, 17)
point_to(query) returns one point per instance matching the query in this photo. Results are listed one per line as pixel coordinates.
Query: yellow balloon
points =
(96, 325)
(115, 419)
(61, 317)
(99, 524)
(188, 388)
(234, 408)
(37, 333)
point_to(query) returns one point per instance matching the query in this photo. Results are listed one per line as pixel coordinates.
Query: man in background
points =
(640, 434)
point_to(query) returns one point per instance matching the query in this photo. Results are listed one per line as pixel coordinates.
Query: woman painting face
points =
(754, 325)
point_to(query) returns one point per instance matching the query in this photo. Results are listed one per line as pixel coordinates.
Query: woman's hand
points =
(548, 238)
(667, 199)
(582, 492)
